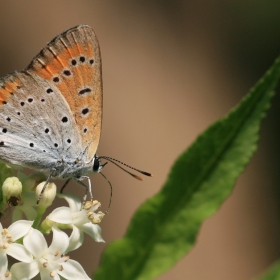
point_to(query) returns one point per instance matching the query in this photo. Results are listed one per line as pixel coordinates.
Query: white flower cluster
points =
(24, 239)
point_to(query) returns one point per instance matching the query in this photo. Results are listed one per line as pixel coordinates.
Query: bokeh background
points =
(170, 69)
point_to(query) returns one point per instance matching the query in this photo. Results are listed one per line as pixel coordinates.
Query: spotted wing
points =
(71, 63)
(36, 123)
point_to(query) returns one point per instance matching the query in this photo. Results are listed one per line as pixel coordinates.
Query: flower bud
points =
(11, 187)
(47, 197)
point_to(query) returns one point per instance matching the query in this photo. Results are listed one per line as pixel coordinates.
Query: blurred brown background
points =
(170, 69)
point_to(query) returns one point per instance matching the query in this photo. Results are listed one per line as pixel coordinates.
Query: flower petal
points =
(93, 230)
(73, 270)
(73, 201)
(19, 252)
(61, 215)
(19, 228)
(79, 218)
(76, 239)
(35, 242)
(45, 275)
(3, 263)
(60, 241)
(25, 271)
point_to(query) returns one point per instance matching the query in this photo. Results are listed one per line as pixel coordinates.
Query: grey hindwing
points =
(37, 128)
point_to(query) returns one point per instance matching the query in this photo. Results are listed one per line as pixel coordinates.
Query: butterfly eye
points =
(96, 164)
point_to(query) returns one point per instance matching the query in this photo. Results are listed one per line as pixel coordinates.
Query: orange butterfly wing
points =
(72, 63)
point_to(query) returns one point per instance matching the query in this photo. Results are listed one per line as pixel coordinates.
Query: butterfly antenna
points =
(112, 160)
(109, 206)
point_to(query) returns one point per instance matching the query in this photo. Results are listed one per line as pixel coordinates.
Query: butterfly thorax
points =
(71, 169)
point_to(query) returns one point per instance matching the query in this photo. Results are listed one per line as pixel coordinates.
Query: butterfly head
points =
(97, 166)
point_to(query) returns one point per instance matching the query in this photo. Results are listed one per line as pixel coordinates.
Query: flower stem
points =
(40, 212)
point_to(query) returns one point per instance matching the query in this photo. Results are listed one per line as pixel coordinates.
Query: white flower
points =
(80, 220)
(48, 261)
(4, 273)
(15, 250)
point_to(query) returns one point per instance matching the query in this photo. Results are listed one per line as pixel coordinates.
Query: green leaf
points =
(273, 273)
(165, 227)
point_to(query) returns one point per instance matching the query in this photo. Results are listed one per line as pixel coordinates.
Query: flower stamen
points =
(91, 207)
(65, 258)
(5, 239)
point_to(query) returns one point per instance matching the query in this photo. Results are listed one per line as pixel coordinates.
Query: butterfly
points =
(51, 112)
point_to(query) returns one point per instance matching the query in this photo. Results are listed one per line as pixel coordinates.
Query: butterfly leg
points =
(65, 184)
(88, 188)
